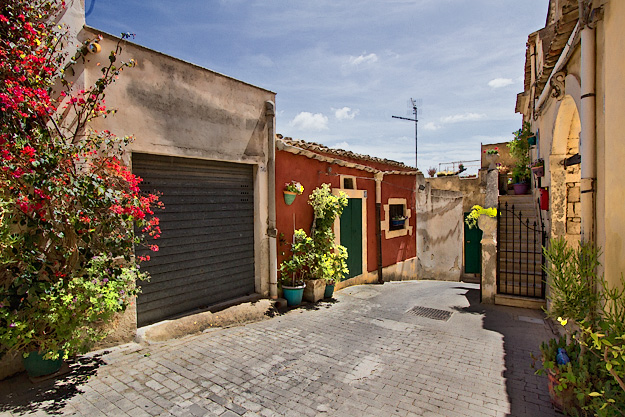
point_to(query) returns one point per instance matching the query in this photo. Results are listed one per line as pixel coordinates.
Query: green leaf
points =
(595, 394)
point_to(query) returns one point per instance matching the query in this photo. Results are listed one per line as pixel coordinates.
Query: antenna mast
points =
(415, 112)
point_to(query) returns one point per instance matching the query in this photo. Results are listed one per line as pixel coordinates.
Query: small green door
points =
(351, 235)
(472, 249)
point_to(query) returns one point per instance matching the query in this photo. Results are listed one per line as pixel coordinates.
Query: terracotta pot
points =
(521, 188)
(562, 400)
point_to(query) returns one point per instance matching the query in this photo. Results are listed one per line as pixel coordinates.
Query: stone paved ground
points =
(364, 354)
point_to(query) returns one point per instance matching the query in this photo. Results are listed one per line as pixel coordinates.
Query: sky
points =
(342, 68)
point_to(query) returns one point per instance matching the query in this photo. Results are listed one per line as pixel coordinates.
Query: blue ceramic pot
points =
(329, 291)
(293, 295)
(36, 365)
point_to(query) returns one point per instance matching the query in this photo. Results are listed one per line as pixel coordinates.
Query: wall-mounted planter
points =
(289, 197)
(531, 140)
(539, 171)
(398, 222)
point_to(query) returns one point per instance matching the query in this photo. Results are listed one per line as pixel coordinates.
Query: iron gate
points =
(520, 258)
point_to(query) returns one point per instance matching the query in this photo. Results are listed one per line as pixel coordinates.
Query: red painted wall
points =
(312, 173)
(404, 247)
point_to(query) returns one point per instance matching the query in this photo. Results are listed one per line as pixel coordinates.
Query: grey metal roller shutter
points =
(206, 249)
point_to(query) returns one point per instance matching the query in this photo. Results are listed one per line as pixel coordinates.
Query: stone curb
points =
(247, 312)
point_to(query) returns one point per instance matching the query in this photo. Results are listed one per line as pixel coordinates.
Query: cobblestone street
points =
(365, 353)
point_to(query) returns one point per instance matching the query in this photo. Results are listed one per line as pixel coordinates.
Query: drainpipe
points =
(378, 221)
(532, 76)
(588, 133)
(272, 232)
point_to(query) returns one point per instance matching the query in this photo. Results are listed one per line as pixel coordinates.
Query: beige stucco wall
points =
(504, 159)
(176, 108)
(440, 234)
(611, 143)
(473, 189)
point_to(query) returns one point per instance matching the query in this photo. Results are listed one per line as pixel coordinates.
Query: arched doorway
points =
(564, 193)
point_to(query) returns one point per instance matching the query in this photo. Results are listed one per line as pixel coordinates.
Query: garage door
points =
(206, 249)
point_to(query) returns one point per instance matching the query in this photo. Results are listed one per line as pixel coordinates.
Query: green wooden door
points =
(472, 249)
(351, 235)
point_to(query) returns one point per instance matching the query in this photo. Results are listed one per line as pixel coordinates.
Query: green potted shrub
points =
(591, 313)
(329, 259)
(333, 269)
(296, 268)
(519, 150)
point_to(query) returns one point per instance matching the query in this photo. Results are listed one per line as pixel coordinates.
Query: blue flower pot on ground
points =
(36, 365)
(329, 291)
(293, 295)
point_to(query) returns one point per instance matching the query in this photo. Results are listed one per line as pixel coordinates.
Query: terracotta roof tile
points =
(319, 148)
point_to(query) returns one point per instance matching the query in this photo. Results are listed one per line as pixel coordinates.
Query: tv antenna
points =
(414, 108)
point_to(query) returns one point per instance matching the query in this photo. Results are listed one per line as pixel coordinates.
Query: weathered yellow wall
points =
(473, 189)
(614, 111)
(440, 234)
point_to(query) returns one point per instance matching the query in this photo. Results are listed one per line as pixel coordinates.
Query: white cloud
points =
(500, 82)
(467, 117)
(363, 59)
(431, 126)
(341, 145)
(345, 113)
(308, 121)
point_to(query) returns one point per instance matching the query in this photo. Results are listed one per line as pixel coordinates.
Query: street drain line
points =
(430, 313)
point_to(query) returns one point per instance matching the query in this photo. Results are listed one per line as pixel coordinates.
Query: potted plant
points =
(558, 359)
(590, 380)
(328, 258)
(519, 150)
(296, 268)
(491, 156)
(71, 211)
(538, 167)
(520, 178)
(333, 269)
(431, 172)
(398, 220)
(291, 190)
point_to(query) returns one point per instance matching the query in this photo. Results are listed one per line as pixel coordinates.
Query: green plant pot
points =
(329, 291)
(36, 365)
(289, 197)
(293, 295)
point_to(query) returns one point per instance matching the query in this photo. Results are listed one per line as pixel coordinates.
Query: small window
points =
(348, 183)
(397, 216)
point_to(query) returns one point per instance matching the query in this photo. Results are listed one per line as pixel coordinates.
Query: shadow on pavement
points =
(522, 331)
(49, 396)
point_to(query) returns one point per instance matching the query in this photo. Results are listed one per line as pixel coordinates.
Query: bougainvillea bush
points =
(69, 207)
